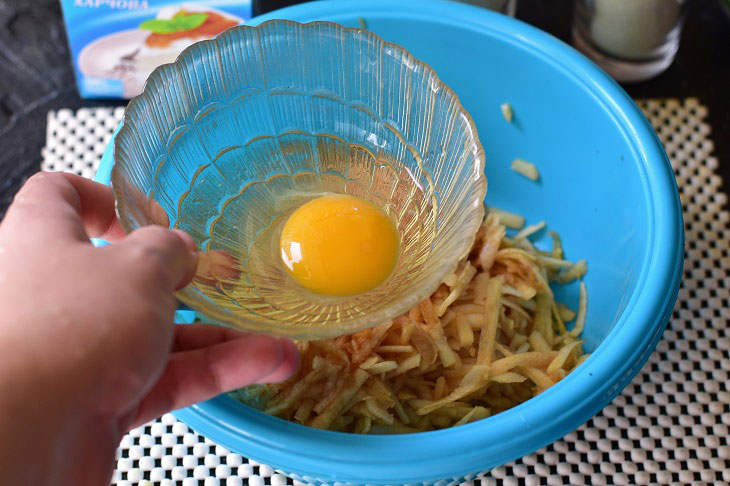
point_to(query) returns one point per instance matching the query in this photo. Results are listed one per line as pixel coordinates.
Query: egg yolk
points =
(339, 245)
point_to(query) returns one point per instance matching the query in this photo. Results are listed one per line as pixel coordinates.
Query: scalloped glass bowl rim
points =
(408, 298)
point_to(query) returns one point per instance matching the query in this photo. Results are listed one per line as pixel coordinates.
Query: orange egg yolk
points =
(339, 245)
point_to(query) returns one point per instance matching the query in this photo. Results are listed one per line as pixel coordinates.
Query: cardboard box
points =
(116, 44)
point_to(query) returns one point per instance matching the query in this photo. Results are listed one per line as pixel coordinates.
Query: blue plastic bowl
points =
(606, 186)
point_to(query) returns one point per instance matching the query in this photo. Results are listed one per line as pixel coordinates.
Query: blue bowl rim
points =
(452, 453)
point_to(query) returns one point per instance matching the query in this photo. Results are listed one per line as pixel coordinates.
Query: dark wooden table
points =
(36, 75)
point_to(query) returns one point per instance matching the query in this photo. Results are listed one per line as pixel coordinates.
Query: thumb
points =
(161, 253)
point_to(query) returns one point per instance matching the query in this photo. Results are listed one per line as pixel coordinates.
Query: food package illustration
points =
(116, 44)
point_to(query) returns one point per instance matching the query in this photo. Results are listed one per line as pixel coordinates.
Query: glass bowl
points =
(228, 140)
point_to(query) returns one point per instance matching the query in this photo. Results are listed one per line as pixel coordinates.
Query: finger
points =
(166, 256)
(218, 265)
(194, 376)
(196, 336)
(98, 211)
(65, 206)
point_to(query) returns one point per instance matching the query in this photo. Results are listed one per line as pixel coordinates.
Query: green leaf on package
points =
(158, 26)
(192, 21)
(179, 23)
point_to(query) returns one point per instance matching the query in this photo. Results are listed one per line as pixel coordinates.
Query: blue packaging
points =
(116, 44)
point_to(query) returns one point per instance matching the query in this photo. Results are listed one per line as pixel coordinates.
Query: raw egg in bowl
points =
(330, 180)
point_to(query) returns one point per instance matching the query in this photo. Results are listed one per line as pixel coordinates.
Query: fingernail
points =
(288, 364)
(189, 241)
(195, 259)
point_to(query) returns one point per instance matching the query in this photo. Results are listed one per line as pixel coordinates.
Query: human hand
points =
(88, 345)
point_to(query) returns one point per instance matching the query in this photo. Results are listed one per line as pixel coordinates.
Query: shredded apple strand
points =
(491, 337)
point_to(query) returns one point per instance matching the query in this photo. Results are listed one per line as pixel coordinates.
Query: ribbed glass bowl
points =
(227, 141)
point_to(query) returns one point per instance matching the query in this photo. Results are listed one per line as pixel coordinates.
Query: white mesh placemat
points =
(669, 426)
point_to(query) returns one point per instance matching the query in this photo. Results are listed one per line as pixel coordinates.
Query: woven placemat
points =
(669, 426)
